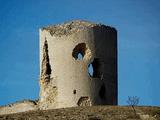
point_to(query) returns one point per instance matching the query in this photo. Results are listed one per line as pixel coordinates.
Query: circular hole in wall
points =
(79, 51)
(102, 91)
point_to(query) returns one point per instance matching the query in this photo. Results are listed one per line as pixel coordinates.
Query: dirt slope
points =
(89, 113)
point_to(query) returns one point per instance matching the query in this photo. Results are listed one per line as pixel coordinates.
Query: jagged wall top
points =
(71, 27)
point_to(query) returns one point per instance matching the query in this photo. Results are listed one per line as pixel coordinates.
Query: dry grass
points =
(88, 113)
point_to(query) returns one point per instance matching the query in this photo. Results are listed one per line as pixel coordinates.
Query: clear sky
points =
(138, 25)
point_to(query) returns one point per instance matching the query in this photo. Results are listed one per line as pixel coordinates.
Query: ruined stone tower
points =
(64, 79)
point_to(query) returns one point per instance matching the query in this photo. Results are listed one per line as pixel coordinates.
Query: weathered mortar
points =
(69, 83)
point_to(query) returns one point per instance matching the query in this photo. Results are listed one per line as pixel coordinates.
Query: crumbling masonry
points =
(64, 78)
(65, 81)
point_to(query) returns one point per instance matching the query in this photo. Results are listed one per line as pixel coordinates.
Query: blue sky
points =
(138, 25)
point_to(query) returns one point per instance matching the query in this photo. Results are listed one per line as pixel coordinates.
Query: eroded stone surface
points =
(48, 94)
(48, 90)
(46, 67)
(70, 27)
(98, 45)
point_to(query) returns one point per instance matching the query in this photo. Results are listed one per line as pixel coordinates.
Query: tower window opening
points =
(79, 51)
(94, 69)
(90, 69)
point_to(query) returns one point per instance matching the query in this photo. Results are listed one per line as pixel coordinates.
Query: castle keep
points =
(65, 78)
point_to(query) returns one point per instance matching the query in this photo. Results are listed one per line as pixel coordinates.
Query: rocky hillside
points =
(89, 113)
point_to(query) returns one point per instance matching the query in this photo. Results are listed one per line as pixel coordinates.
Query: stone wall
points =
(22, 106)
(68, 79)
